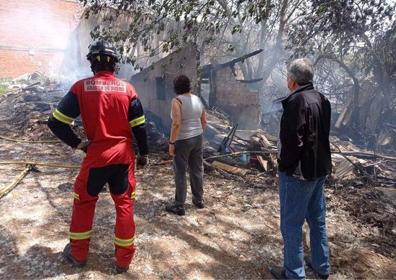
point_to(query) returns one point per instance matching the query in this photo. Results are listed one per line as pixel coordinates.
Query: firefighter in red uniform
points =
(109, 108)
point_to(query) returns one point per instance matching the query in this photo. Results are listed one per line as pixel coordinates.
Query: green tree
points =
(347, 33)
(184, 21)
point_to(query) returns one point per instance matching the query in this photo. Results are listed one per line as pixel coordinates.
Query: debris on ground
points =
(235, 237)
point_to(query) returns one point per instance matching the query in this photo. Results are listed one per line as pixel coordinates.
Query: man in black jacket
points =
(304, 162)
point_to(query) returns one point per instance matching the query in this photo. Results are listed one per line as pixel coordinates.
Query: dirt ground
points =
(235, 237)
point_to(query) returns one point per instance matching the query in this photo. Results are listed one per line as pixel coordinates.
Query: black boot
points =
(175, 209)
(199, 204)
(68, 256)
(120, 269)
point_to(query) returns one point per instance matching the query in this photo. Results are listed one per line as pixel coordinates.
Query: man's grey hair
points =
(301, 70)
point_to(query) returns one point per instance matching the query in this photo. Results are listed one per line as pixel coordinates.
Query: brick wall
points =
(229, 91)
(15, 63)
(34, 34)
(237, 100)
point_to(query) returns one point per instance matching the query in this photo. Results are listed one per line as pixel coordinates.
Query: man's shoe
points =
(199, 204)
(308, 261)
(68, 257)
(175, 209)
(278, 273)
(120, 269)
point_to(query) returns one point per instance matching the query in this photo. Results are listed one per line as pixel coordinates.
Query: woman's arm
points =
(176, 124)
(203, 119)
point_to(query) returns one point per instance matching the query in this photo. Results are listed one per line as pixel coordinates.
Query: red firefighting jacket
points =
(109, 108)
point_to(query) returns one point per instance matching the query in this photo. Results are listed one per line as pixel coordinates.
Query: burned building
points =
(235, 98)
(232, 96)
(155, 83)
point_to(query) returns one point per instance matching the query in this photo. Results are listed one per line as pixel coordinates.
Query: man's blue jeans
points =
(300, 200)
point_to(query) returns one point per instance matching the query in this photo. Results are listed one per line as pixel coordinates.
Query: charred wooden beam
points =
(228, 140)
(206, 69)
(250, 81)
(206, 81)
(391, 125)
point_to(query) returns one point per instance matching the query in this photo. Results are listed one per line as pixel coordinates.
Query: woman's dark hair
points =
(181, 84)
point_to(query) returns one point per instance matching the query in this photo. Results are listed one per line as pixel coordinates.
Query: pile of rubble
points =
(30, 100)
(228, 150)
(352, 163)
(241, 151)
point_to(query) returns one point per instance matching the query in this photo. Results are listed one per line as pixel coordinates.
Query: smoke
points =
(75, 65)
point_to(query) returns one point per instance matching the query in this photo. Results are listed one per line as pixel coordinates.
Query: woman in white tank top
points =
(185, 144)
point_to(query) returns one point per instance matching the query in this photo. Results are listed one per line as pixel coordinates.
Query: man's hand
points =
(171, 149)
(141, 161)
(83, 146)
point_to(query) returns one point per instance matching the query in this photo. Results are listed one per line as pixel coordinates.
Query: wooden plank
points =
(229, 168)
(264, 141)
(364, 154)
(263, 163)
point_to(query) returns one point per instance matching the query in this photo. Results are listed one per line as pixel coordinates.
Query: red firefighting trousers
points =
(84, 209)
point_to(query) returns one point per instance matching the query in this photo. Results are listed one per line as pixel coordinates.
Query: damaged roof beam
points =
(205, 70)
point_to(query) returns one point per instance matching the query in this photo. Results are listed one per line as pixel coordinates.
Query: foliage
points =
(384, 48)
(357, 36)
(339, 26)
(354, 40)
(184, 21)
(350, 32)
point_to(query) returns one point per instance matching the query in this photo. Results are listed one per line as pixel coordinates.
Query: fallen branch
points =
(40, 163)
(354, 164)
(393, 180)
(6, 189)
(28, 141)
(364, 154)
(229, 168)
(243, 152)
(220, 156)
(221, 172)
(162, 162)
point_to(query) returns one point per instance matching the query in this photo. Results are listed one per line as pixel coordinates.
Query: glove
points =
(141, 161)
(83, 146)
